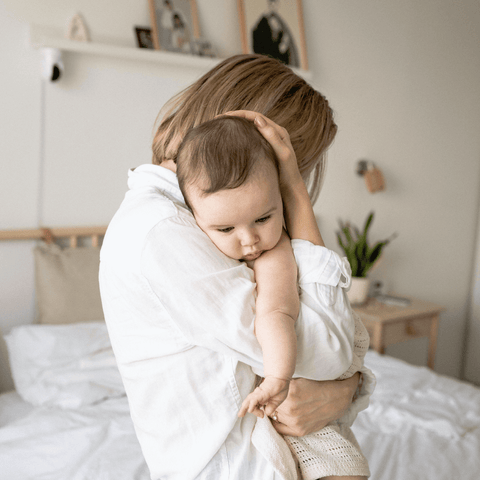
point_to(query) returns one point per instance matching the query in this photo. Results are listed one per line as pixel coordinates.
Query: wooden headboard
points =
(66, 236)
(50, 234)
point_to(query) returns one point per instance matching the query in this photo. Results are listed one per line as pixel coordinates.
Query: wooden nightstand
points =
(388, 324)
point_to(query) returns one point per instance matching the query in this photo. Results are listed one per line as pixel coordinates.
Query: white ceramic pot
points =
(358, 292)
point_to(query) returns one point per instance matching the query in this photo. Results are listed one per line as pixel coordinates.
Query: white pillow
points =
(68, 366)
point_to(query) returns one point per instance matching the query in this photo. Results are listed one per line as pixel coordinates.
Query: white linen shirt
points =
(180, 315)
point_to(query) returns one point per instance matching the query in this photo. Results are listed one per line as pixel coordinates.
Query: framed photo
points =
(144, 37)
(274, 28)
(174, 25)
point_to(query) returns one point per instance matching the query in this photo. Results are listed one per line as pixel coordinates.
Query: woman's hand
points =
(279, 139)
(311, 405)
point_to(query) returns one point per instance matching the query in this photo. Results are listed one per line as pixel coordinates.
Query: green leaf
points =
(348, 235)
(340, 242)
(375, 252)
(354, 265)
(367, 225)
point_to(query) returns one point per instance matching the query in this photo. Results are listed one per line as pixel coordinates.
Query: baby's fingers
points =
(250, 405)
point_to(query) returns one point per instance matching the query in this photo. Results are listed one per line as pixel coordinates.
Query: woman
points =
(180, 314)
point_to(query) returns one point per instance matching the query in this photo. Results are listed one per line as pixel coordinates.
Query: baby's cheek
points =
(278, 233)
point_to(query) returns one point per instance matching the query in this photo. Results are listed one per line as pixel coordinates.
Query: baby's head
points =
(229, 176)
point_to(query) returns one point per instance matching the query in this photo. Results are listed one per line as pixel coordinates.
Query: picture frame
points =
(274, 28)
(175, 25)
(144, 37)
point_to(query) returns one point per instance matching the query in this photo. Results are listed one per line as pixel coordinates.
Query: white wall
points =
(472, 340)
(20, 126)
(402, 77)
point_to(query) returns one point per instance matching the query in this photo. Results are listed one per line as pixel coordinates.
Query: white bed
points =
(69, 418)
(419, 426)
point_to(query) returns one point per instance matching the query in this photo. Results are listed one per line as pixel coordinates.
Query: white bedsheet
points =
(92, 443)
(419, 426)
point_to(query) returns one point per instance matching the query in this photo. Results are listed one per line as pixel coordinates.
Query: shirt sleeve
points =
(329, 275)
(363, 396)
(211, 299)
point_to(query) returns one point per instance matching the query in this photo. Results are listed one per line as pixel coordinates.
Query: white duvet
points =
(419, 426)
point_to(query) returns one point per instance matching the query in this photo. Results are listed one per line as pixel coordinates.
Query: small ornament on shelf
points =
(77, 30)
(144, 37)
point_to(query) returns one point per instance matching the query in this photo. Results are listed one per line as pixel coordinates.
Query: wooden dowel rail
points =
(49, 234)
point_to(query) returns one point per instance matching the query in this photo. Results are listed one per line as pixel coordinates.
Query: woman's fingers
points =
(276, 135)
(279, 139)
(270, 409)
(248, 114)
(263, 122)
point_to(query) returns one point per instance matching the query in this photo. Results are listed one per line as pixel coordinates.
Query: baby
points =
(229, 176)
(244, 219)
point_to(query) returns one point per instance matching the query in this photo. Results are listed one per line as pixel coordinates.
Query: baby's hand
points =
(271, 393)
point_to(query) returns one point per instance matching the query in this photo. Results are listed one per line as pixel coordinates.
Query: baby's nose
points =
(249, 237)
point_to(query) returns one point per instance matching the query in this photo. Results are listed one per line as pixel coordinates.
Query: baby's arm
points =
(277, 309)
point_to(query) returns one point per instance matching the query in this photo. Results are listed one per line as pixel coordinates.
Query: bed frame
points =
(49, 235)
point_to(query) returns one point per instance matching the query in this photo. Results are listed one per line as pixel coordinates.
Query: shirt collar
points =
(150, 175)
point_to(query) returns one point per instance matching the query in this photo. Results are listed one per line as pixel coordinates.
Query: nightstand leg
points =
(432, 344)
(377, 340)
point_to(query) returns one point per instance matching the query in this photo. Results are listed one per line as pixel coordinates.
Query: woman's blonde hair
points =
(261, 84)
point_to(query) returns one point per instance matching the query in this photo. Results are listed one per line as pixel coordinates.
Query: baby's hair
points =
(221, 154)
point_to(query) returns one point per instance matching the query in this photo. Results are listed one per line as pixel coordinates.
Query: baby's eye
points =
(225, 230)
(263, 219)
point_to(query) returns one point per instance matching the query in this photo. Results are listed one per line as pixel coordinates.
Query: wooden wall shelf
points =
(45, 37)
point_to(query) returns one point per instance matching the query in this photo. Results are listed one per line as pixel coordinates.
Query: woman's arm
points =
(299, 215)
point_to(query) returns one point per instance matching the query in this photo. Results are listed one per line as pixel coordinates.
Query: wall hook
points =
(362, 166)
(373, 176)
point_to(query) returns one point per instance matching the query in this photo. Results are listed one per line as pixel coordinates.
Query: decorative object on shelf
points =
(52, 65)
(274, 28)
(360, 255)
(46, 37)
(203, 48)
(144, 37)
(372, 175)
(174, 25)
(77, 30)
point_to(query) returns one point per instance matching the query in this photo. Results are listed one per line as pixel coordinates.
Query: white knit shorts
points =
(333, 450)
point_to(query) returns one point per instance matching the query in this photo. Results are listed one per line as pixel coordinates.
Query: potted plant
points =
(361, 256)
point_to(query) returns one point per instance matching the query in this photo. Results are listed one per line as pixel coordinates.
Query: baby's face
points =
(243, 222)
